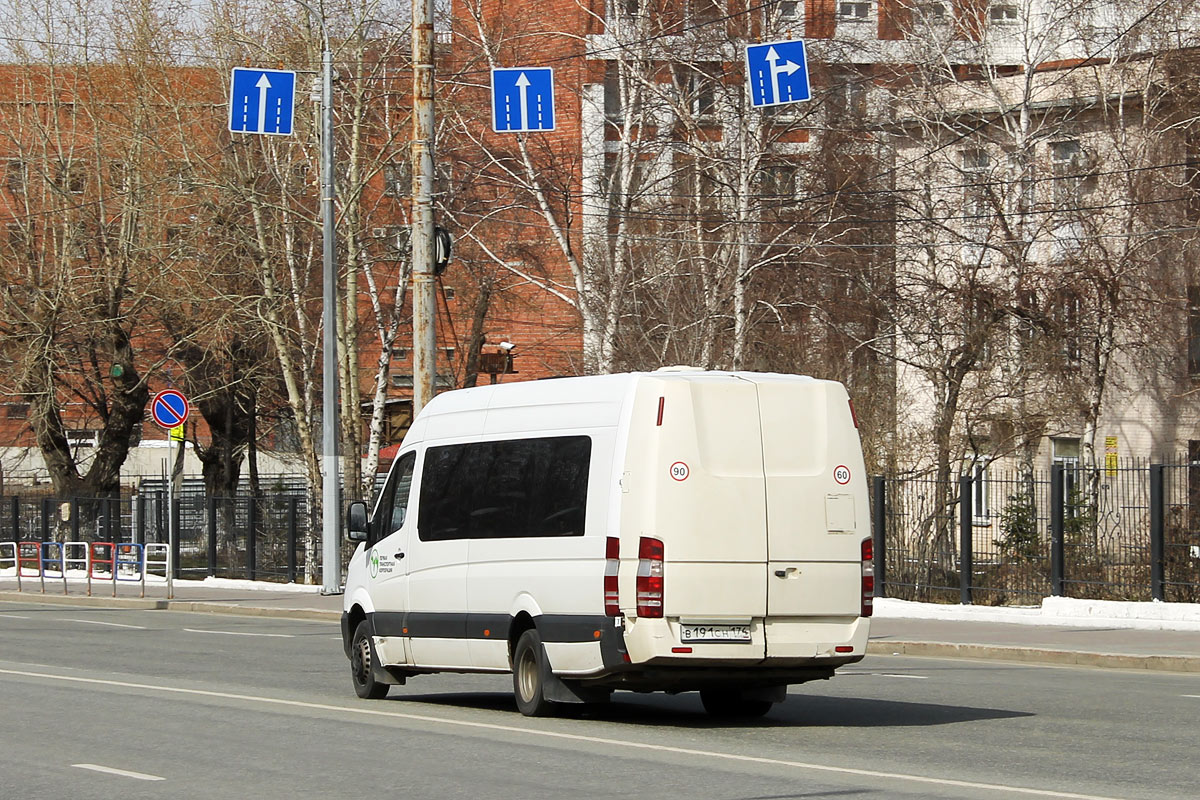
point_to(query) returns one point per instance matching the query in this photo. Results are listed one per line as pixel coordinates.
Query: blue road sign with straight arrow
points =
(262, 101)
(778, 73)
(522, 99)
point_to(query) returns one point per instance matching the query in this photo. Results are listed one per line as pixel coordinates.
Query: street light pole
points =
(331, 558)
(424, 299)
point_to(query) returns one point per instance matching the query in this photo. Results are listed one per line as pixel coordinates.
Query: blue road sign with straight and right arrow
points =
(262, 101)
(778, 73)
(523, 99)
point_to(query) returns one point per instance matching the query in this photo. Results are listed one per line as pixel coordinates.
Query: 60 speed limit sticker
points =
(841, 474)
(679, 471)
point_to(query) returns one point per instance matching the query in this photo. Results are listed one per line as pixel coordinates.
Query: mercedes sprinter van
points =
(675, 531)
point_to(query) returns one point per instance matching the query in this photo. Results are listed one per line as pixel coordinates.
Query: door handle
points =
(780, 573)
(399, 556)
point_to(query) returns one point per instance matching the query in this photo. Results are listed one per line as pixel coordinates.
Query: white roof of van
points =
(559, 403)
(587, 388)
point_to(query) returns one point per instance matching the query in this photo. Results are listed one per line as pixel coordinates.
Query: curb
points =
(1033, 655)
(195, 606)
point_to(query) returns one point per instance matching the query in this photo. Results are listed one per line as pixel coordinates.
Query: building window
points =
(1068, 317)
(704, 10)
(853, 11)
(786, 10)
(778, 182)
(976, 166)
(448, 292)
(847, 96)
(612, 92)
(15, 175)
(1072, 168)
(397, 179)
(698, 84)
(393, 241)
(932, 13)
(1002, 14)
(71, 178)
(72, 240)
(628, 8)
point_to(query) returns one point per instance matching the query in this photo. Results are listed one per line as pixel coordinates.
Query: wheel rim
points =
(527, 677)
(362, 660)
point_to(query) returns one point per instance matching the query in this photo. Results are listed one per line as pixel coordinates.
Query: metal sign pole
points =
(331, 560)
(170, 476)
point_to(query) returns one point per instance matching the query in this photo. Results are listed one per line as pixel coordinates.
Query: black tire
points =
(731, 704)
(362, 657)
(529, 685)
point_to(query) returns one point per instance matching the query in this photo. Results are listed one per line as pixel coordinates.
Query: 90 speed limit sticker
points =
(841, 474)
(680, 471)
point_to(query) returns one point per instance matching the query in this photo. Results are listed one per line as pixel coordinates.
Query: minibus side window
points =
(393, 503)
(514, 488)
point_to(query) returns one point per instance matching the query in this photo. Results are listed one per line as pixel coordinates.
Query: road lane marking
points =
(242, 633)
(888, 675)
(124, 773)
(1195, 696)
(574, 737)
(6, 615)
(98, 622)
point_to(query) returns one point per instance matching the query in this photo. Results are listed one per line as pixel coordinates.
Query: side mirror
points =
(357, 528)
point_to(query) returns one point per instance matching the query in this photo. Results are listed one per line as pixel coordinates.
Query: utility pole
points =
(331, 558)
(424, 299)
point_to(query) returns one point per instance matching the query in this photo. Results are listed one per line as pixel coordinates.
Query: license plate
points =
(714, 633)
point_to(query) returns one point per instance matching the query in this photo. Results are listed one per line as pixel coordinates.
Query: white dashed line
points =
(243, 633)
(124, 773)
(98, 622)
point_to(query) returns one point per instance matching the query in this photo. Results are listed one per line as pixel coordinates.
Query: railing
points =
(1127, 532)
(242, 537)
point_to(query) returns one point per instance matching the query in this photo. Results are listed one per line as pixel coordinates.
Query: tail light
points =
(853, 413)
(650, 578)
(612, 563)
(868, 576)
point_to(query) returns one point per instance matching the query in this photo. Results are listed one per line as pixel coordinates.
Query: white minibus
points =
(677, 530)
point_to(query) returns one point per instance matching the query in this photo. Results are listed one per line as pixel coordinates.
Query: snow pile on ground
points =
(1061, 611)
(239, 583)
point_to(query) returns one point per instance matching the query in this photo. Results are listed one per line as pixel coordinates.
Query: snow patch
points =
(1056, 611)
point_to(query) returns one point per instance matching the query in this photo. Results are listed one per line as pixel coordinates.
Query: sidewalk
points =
(897, 628)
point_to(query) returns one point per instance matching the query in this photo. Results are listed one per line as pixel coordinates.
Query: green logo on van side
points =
(374, 564)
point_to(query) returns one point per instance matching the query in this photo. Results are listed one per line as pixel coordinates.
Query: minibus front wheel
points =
(362, 659)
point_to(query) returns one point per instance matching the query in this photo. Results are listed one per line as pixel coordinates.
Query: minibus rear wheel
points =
(529, 685)
(362, 656)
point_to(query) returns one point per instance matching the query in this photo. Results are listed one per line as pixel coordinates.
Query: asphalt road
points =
(98, 703)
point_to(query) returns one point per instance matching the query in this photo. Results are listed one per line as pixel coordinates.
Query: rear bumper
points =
(775, 642)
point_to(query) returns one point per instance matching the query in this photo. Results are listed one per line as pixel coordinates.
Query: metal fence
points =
(243, 537)
(1128, 532)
